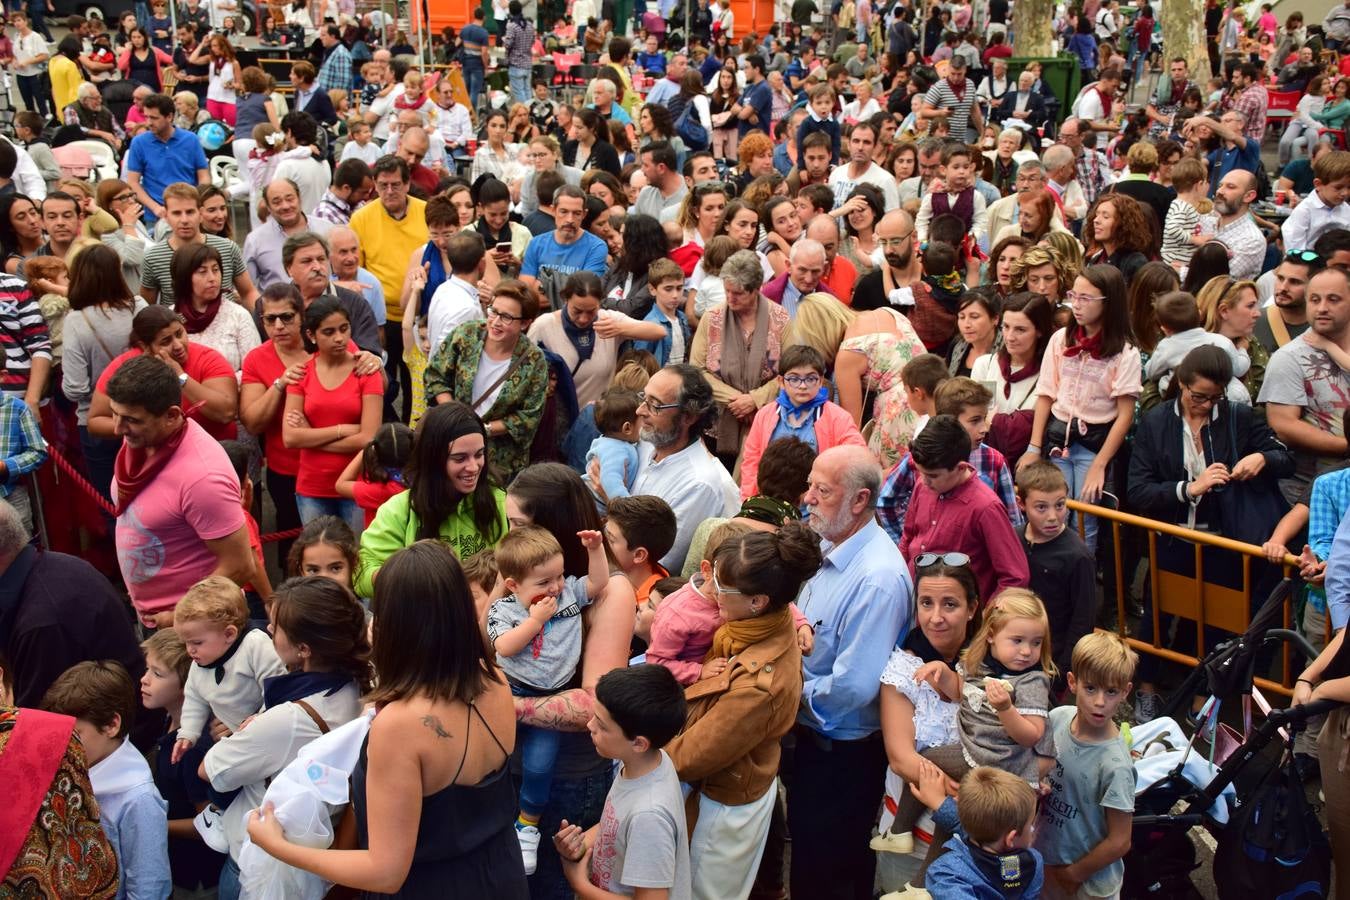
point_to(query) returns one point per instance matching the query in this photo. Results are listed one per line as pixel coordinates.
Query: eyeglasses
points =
(124, 198)
(285, 318)
(925, 560)
(722, 590)
(1206, 399)
(801, 380)
(896, 241)
(1076, 298)
(494, 313)
(652, 405)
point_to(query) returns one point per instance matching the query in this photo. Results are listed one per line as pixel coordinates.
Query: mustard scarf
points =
(733, 637)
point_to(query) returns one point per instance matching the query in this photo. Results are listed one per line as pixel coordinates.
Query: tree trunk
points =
(1033, 24)
(1183, 33)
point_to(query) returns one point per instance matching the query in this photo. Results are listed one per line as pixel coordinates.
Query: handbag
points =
(344, 833)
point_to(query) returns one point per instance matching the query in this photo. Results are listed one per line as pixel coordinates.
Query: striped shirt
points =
(156, 270)
(942, 96)
(23, 334)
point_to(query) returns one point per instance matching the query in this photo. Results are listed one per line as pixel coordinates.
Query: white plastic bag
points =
(305, 795)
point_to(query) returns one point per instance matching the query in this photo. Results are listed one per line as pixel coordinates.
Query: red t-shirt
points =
(323, 408)
(263, 366)
(203, 364)
(254, 544)
(371, 494)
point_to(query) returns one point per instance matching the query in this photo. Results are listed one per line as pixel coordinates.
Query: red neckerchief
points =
(960, 92)
(1178, 89)
(134, 469)
(1106, 101)
(1092, 346)
(196, 322)
(1010, 377)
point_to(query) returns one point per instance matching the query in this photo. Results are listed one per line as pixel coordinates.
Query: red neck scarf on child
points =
(1092, 346)
(1010, 377)
(135, 468)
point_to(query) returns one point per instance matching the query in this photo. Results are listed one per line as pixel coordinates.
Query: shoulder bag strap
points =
(1277, 326)
(313, 714)
(487, 392)
(84, 314)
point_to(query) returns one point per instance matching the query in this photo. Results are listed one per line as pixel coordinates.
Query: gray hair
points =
(1011, 132)
(743, 269)
(802, 247)
(1056, 157)
(86, 90)
(13, 536)
(929, 146)
(695, 397)
(1031, 165)
(299, 241)
(859, 470)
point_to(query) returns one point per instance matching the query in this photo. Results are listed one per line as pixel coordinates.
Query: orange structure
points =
(750, 15)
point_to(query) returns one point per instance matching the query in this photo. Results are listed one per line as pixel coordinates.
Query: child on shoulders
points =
(1179, 318)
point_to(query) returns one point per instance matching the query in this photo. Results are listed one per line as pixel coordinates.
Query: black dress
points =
(466, 839)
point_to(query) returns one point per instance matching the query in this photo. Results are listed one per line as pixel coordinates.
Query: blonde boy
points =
(230, 660)
(1084, 830)
(1182, 231)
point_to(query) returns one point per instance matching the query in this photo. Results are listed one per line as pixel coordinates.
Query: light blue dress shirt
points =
(1337, 584)
(861, 605)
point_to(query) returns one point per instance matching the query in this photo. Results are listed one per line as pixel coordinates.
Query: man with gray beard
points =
(674, 464)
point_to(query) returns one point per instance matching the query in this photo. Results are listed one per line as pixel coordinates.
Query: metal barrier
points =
(1190, 597)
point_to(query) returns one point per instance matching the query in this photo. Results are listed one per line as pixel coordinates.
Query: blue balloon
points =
(212, 135)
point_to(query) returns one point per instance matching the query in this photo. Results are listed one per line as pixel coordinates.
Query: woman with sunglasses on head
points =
(491, 366)
(1089, 381)
(729, 747)
(1204, 463)
(914, 716)
(1230, 308)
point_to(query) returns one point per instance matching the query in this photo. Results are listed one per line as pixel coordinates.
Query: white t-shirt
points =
(221, 86)
(489, 371)
(27, 47)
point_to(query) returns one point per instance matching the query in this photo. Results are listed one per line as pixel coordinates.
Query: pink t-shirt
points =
(682, 632)
(1086, 388)
(162, 535)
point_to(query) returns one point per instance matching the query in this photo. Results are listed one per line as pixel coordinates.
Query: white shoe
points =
(529, 847)
(908, 892)
(889, 842)
(208, 826)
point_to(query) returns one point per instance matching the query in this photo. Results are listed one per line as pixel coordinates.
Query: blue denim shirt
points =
(861, 604)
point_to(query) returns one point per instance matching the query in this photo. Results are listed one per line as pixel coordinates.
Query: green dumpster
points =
(1061, 76)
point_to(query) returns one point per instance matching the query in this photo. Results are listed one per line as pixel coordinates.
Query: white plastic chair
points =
(224, 173)
(105, 163)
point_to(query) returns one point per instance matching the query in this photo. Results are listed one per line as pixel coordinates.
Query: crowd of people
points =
(658, 473)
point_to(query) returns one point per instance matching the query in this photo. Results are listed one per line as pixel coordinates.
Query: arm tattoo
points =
(434, 724)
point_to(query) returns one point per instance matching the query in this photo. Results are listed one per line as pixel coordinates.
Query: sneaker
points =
(212, 832)
(890, 842)
(1146, 707)
(529, 847)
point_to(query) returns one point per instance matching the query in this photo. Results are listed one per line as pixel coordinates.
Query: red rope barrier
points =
(68, 467)
(65, 465)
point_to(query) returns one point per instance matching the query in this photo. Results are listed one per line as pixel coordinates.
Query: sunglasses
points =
(273, 318)
(1303, 256)
(947, 559)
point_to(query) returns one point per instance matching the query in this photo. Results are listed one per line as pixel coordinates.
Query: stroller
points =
(1270, 843)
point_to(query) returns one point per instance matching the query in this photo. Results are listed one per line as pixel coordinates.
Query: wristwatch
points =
(182, 379)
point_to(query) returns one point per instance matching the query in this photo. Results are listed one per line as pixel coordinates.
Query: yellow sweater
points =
(66, 81)
(387, 245)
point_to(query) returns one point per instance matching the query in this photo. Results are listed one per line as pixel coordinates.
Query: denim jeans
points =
(313, 507)
(538, 754)
(99, 456)
(1075, 468)
(473, 82)
(520, 83)
(34, 93)
(580, 800)
(230, 888)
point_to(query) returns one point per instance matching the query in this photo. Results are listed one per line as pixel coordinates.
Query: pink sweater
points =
(683, 629)
(833, 428)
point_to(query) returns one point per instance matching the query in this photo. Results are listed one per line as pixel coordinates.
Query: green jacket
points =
(519, 406)
(396, 525)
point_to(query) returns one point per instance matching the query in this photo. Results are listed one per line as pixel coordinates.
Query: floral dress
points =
(893, 421)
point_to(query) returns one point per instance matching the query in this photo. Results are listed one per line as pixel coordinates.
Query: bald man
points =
(413, 145)
(1237, 231)
(806, 266)
(840, 275)
(344, 248)
(899, 284)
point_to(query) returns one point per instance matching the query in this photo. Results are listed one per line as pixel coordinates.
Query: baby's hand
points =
(806, 639)
(543, 610)
(997, 694)
(932, 787)
(1313, 339)
(591, 539)
(180, 746)
(713, 667)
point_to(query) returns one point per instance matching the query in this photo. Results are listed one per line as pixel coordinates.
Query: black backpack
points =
(1273, 845)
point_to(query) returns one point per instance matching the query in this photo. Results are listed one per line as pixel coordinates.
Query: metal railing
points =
(1189, 597)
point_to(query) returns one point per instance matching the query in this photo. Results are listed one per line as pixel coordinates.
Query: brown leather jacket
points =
(729, 746)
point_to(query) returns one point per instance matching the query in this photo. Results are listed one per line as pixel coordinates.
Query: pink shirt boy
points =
(162, 534)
